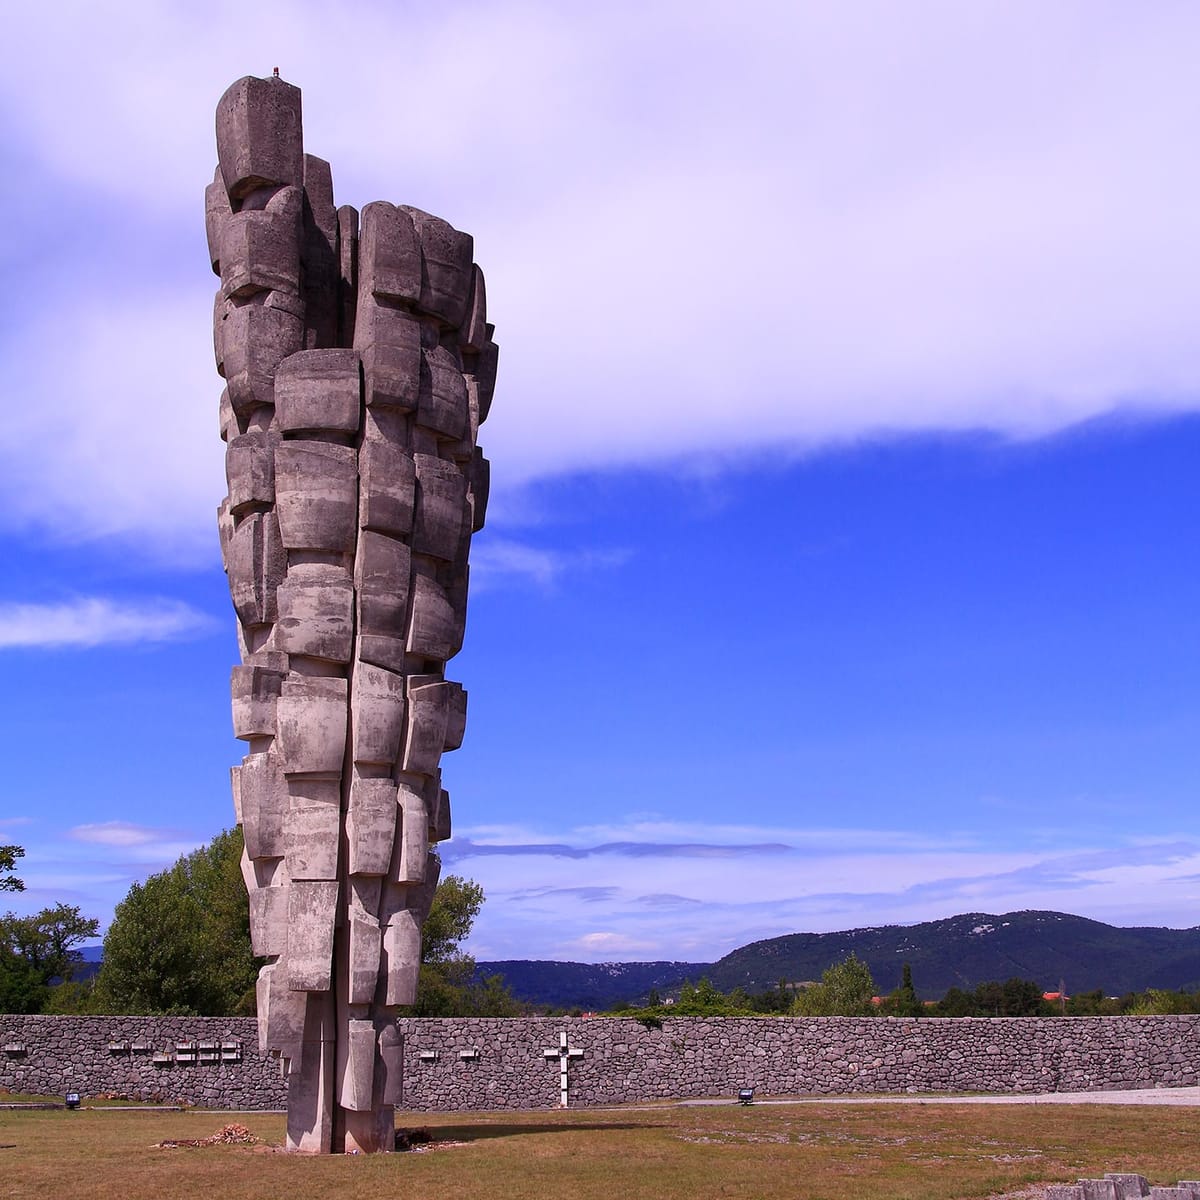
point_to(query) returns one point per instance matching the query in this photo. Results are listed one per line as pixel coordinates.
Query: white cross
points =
(564, 1054)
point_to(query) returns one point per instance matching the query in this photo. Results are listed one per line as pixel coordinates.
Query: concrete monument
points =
(358, 365)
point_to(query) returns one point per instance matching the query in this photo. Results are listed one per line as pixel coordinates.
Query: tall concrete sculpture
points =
(358, 365)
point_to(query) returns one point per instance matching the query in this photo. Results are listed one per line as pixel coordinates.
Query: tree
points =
(36, 951)
(180, 942)
(846, 990)
(903, 1001)
(8, 865)
(1021, 998)
(1014, 998)
(1159, 1002)
(447, 986)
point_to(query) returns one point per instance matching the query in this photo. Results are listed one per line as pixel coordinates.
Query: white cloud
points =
(116, 833)
(667, 901)
(94, 621)
(496, 560)
(607, 943)
(751, 229)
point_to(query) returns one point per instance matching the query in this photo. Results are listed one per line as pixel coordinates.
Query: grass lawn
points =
(835, 1152)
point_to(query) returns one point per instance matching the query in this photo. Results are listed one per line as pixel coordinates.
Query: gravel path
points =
(1177, 1097)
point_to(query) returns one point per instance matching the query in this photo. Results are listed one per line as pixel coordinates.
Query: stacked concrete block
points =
(358, 365)
(1118, 1186)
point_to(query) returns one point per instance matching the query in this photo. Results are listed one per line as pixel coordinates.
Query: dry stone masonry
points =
(517, 1063)
(358, 365)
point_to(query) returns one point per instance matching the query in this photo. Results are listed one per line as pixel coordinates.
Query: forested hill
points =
(970, 949)
(960, 951)
(589, 985)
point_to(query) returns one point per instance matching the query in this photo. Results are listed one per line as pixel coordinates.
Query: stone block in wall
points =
(216, 210)
(433, 631)
(366, 943)
(425, 725)
(483, 372)
(356, 1066)
(268, 921)
(257, 564)
(438, 517)
(319, 256)
(456, 715)
(347, 247)
(312, 911)
(402, 957)
(255, 689)
(264, 800)
(1098, 1189)
(260, 248)
(479, 482)
(281, 1012)
(250, 470)
(319, 391)
(377, 715)
(316, 489)
(371, 826)
(442, 403)
(254, 338)
(446, 267)
(313, 828)
(387, 488)
(440, 829)
(381, 575)
(389, 342)
(413, 844)
(260, 142)
(389, 254)
(227, 420)
(391, 1053)
(1129, 1187)
(316, 613)
(312, 721)
(473, 335)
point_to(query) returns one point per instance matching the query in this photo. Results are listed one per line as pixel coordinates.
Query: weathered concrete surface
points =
(358, 364)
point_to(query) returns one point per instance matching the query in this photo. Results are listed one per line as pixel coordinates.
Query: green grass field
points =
(819, 1152)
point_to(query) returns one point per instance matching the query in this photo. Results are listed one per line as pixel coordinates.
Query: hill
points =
(589, 985)
(972, 948)
(960, 951)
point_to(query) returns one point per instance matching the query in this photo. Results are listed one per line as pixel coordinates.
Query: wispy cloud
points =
(495, 561)
(748, 887)
(116, 833)
(463, 848)
(590, 894)
(95, 621)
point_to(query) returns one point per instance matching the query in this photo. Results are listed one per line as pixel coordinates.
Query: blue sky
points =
(841, 563)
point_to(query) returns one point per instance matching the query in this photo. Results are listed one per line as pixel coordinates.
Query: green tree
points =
(447, 986)
(180, 942)
(903, 1001)
(1160, 1002)
(38, 950)
(1021, 998)
(846, 990)
(1093, 1004)
(8, 865)
(957, 1003)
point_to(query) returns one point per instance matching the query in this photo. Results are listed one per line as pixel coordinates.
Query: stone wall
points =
(492, 1063)
(694, 1056)
(208, 1061)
